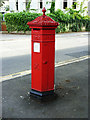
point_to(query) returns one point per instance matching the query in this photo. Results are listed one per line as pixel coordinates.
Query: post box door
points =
(51, 61)
(44, 67)
(48, 53)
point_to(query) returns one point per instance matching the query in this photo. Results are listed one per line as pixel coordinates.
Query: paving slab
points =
(70, 100)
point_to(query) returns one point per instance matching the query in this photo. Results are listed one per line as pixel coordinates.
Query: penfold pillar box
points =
(42, 55)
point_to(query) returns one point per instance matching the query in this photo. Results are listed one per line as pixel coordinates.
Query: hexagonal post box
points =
(42, 55)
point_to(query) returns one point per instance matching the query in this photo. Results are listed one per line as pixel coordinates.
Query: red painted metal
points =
(42, 65)
(3, 26)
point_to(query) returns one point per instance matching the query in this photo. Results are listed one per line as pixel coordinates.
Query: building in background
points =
(20, 5)
(37, 5)
(62, 4)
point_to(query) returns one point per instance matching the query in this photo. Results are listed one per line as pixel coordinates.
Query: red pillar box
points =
(43, 55)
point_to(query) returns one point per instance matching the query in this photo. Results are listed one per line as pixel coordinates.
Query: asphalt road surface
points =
(16, 64)
(16, 54)
(70, 101)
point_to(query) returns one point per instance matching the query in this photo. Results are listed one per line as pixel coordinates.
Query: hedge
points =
(1, 17)
(18, 21)
(67, 22)
(70, 22)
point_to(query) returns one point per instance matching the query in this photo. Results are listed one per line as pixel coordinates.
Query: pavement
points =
(70, 100)
(71, 78)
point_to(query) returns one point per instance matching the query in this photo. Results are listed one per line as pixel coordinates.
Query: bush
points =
(18, 21)
(7, 8)
(86, 22)
(52, 9)
(72, 21)
(1, 17)
(87, 27)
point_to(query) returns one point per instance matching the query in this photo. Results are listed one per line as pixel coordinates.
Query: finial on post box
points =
(44, 10)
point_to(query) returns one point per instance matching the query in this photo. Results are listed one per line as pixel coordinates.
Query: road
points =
(16, 50)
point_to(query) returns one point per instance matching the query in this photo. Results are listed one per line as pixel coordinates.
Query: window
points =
(17, 5)
(64, 4)
(41, 4)
(74, 4)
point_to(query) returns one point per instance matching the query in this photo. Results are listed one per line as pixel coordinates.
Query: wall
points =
(35, 4)
(12, 4)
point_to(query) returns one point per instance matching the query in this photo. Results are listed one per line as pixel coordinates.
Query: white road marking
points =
(15, 75)
(27, 72)
(71, 61)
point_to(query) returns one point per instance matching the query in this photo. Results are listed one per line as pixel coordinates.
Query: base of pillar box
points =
(41, 94)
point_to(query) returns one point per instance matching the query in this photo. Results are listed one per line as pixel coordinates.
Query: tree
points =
(80, 11)
(52, 9)
(28, 6)
(1, 2)
(7, 8)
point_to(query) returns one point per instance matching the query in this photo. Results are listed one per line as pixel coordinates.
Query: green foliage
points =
(34, 9)
(74, 6)
(86, 22)
(52, 9)
(28, 6)
(1, 17)
(18, 21)
(7, 8)
(71, 21)
(82, 9)
(12, 11)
